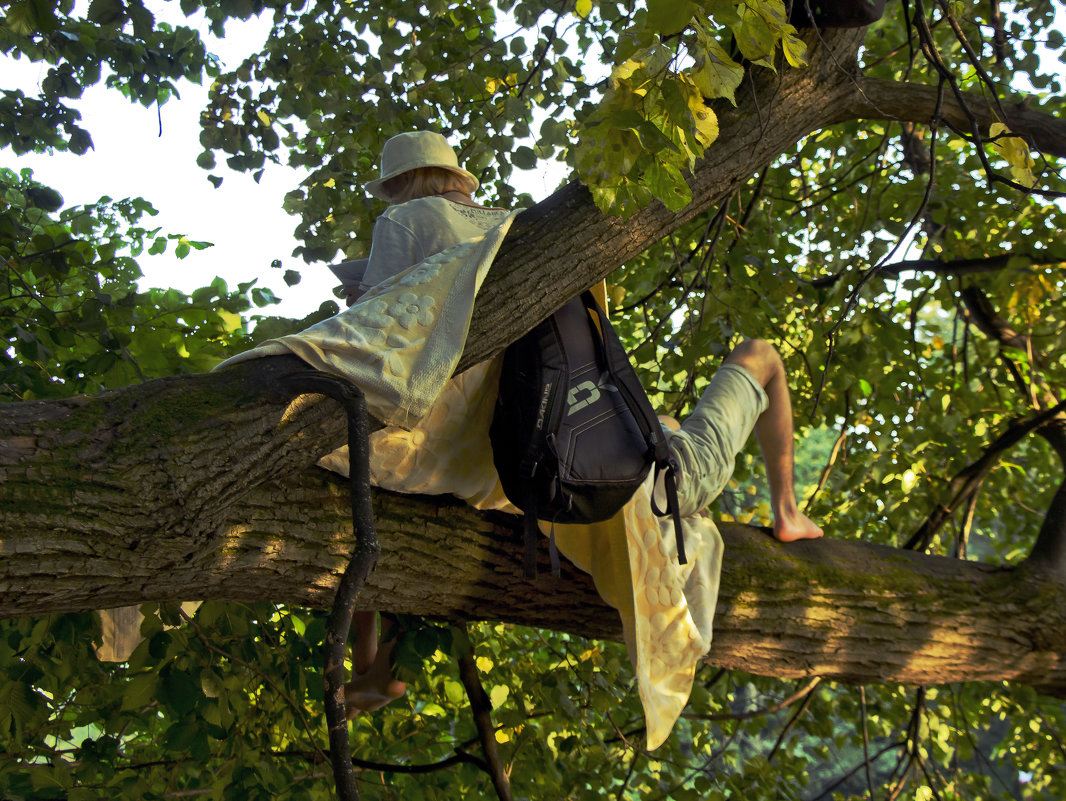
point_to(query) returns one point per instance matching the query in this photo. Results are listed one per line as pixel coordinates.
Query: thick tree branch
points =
(833, 608)
(565, 244)
(199, 448)
(879, 99)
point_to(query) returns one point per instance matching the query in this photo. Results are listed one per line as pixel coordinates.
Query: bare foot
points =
(795, 525)
(370, 692)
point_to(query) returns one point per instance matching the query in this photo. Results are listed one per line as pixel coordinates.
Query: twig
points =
(805, 690)
(829, 789)
(999, 36)
(866, 741)
(481, 707)
(297, 708)
(834, 452)
(460, 758)
(853, 298)
(975, 61)
(968, 480)
(791, 722)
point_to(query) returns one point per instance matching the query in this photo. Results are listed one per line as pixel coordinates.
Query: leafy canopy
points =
(911, 275)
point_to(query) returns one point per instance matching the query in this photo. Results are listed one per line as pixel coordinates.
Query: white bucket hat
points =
(409, 151)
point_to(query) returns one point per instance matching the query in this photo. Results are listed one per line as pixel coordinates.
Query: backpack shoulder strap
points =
(617, 361)
(628, 383)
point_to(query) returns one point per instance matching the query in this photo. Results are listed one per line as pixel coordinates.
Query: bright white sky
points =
(243, 219)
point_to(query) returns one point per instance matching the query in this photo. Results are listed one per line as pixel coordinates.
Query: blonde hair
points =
(423, 182)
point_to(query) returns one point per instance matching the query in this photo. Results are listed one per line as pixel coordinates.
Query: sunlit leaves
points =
(668, 17)
(659, 90)
(715, 73)
(1016, 153)
(73, 318)
(895, 386)
(650, 126)
(143, 64)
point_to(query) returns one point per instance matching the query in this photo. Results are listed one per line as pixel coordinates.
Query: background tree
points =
(881, 202)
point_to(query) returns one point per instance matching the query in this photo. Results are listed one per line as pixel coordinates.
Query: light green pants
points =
(707, 445)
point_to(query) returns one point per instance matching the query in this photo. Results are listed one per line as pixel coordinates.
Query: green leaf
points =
(180, 691)
(107, 12)
(667, 17)
(668, 185)
(181, 735)
(140, 691)
(524, 158)
(715, 73)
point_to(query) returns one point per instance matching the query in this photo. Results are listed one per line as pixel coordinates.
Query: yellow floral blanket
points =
(400, 344)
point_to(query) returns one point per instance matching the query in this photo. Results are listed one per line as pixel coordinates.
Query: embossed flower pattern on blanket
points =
(373, 313)
(421, 274)
(394, 362)
(410, 309)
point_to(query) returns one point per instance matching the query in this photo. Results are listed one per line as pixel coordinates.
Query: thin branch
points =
(993, 770)
(364, 557)
(769, 710)
(866, 741)
(826, 792)
(967, 525)
(460, 758)
(792, 722)
(834, 452)
(1049, 550)
(948, 267)
(297, 708)
(999, 36)
(968, 480)
(853, 298)
(975, 60)
(988, 322)
(481, 707)
(621, 794)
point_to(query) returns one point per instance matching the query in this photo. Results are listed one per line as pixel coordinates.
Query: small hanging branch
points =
(364, 557)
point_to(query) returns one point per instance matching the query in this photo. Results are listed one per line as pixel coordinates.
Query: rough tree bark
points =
(204, 486)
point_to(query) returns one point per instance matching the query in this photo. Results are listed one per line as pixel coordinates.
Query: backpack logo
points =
(542, 407)
(576, 403)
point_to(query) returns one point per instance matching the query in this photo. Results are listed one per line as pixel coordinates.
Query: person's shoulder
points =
(415, 209)
(424, 210)
(480, 214)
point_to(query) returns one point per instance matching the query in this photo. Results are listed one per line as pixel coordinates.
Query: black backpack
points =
(574, 434)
